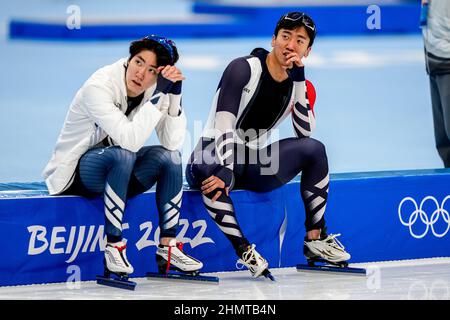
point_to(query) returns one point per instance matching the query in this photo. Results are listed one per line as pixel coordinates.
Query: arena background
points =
(373, 106)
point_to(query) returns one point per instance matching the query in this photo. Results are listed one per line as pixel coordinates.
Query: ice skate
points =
(255, 263)
(175, 264)
(327, 254)
(116, 267)
(328, 249)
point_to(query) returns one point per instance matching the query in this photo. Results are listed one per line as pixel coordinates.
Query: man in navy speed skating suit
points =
(255, 94)
(100, 150)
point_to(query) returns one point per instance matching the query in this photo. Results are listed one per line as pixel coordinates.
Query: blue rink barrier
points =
(218, 20)
(336, 19)
(381, 215)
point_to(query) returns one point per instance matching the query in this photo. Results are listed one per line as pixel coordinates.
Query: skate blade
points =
(331, 269)
(266, 273)
(116, 283)
(183, 276)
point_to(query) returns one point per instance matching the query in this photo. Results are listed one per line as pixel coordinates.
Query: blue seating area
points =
(381, 216)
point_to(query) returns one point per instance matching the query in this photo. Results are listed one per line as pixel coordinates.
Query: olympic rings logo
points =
(428, 222)
(420, 290)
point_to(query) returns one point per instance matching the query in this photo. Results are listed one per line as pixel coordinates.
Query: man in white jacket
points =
(100, 150)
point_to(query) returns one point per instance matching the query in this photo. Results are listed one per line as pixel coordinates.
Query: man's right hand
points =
(292, 60)
(213, 183)
(168, 76)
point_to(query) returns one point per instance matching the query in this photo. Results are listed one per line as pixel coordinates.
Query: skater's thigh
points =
(204, 163)
(275, 165)
(96, 163)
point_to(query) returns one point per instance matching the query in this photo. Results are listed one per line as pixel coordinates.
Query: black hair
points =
(293, 20)
(163, 56)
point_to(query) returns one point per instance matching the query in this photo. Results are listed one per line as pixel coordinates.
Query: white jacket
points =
(437, 32)
(98, 111)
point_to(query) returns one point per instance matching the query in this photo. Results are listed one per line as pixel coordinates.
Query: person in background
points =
(436, 35)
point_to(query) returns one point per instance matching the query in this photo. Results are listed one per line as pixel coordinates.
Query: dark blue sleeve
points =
(234, 78)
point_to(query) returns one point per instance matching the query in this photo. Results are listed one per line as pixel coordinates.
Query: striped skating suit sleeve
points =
(303, 119)
(233, 81)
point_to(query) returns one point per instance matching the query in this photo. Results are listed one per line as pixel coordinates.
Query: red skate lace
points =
(168, 260)
(121, 248)
(180, 247)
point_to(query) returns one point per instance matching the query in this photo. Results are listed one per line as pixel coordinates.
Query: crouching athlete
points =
(100, 150)
(255, 94)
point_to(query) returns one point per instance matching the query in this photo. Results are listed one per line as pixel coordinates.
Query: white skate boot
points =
(255, 263)
(326, 249)
(172, 257)
(116, 263)
(116, 258)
